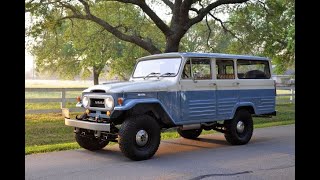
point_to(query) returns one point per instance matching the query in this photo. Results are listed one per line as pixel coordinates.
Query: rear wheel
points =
(139, 137)
(189, 134)
(239, 130)
(89, 142)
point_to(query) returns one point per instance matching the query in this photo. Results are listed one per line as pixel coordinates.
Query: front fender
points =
(131, 103)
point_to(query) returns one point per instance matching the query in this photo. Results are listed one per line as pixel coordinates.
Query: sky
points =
(28, 60)
(28, 57)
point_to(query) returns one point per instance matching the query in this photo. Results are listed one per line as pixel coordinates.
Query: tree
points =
(265, 28)
(207, 36)
(75, 47)
(185, 14)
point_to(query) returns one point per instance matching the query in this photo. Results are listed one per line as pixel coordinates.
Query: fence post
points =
(63, 98)
(292, 94)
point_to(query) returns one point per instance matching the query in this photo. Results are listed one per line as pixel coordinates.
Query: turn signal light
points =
(78, 98)
(120, 101)
(108, 113)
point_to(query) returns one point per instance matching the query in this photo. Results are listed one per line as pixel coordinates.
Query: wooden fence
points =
(62, 99)
(281, 98)
(286, 98)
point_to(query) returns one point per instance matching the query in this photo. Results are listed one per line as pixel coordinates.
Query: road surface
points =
(269, 155)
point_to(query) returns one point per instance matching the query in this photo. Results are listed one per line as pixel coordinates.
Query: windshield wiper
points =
(153, 73)
(167, 74)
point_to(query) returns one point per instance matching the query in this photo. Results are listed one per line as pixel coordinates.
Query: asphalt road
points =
(269, 155)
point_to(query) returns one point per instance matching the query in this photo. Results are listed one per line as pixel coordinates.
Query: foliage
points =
(181, 20)
(266, 28)
(79, 37)
(73, 47)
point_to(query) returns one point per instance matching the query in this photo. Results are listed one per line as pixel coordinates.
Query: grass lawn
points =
(47, 132)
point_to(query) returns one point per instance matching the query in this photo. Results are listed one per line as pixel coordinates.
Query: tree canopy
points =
(185, 14)
(83, 37)
(266, 28)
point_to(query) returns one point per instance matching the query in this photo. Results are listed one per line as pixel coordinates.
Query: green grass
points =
(47, 132)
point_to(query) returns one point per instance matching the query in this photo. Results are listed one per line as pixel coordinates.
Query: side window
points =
(253, 69)
(201, 67)
(186, 73)
(225, 69)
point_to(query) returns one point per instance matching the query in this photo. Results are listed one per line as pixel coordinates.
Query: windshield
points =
(157, 67)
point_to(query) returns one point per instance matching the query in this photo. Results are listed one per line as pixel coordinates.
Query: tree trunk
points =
(172, 45)
(96, 75)
(173, 41)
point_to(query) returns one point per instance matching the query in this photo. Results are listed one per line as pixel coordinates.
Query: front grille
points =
(97, 103)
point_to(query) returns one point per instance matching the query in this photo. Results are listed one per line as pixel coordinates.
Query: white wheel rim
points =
(141, 137)
(240, 127)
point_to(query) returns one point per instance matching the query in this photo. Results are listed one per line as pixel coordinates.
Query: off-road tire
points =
(232, 135)
(127, 137)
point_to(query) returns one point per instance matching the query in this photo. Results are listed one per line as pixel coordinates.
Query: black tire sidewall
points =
(127, 137)
(232, 134)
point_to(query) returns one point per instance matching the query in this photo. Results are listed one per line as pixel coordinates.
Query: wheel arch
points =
(151, 108)
(250, 107)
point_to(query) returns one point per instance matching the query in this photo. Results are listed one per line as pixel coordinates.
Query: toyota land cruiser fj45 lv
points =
(189, 91)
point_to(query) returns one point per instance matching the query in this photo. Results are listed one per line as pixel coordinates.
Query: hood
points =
(134, 86)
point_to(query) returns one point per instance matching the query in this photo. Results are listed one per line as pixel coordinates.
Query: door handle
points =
(236, 83)
(213, 84)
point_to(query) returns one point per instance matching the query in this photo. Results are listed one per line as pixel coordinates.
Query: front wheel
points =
(90, 142)
(239, 130)
(189, 134)
(139, 137)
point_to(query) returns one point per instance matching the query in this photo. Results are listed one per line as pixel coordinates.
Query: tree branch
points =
(113, 30)
(155, 18)
(227, 30)
(86, 6)
(204, 11)
(184, 10)
(210, 31)
(194, 9)
(168, 3)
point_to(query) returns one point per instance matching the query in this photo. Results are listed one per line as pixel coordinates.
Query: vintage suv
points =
(189, 91)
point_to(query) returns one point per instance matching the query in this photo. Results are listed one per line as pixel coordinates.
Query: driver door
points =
(198, 95)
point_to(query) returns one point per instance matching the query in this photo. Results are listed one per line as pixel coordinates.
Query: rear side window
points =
(224, 69)
(253, 69)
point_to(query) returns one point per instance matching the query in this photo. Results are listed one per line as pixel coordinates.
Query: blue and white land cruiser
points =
(189, 91)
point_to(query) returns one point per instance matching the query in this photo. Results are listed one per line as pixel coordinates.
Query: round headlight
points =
(109, 102)
(85, 101)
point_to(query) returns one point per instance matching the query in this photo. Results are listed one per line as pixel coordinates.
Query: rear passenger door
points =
(227, 87)
(256, 85)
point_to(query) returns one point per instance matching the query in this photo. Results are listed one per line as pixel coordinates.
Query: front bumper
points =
(84, 124)
(87, 125)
